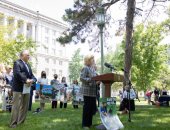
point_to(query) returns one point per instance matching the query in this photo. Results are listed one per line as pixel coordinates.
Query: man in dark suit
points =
(23, 79)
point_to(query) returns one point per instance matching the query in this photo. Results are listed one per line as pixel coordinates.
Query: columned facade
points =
(50, 55)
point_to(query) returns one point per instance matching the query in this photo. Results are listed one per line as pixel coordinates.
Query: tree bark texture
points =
(129, 41)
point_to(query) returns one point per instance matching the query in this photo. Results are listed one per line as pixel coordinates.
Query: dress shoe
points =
(13, 126)
(86, 128)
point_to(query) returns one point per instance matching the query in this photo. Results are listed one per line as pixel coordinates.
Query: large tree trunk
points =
(129, 42)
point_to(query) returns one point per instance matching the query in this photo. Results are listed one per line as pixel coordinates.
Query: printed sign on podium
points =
(108, 114)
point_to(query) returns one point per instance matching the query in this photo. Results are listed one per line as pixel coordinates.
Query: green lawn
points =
(144, 118)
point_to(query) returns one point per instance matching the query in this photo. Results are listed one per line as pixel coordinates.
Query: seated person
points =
(157, 103)
(164, 91)
(163, 101)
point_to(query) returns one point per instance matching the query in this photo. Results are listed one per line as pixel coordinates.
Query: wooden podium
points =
(108, 79)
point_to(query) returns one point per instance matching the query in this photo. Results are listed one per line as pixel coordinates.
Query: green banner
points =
(108, 105)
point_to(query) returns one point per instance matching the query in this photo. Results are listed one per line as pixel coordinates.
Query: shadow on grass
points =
(59, 119)
(148, 118)
(144, 118)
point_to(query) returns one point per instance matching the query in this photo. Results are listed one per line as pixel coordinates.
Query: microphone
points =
(124, 70)
(109, 66)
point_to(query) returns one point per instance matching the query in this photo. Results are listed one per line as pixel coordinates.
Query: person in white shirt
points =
(132, 94)
(121, 95)
(42, 81)
(75, 92)
(54, 83)
(2, 91)
(9, 76)
(125, 106)
(63, 93)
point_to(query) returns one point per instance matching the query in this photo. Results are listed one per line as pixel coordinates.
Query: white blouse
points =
(132, 94)
(43, 81)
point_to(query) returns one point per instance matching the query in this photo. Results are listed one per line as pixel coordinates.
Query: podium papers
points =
(108, 114)
(26, 89)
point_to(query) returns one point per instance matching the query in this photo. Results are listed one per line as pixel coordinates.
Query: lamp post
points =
(100, 18)
(36, 28)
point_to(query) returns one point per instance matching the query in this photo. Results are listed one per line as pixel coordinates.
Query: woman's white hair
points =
(88, 58)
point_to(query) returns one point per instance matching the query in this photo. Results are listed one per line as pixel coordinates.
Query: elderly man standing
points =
(23, 79)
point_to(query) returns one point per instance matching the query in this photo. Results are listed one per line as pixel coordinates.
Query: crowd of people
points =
(156, 94)
(19, 83)
(43, 80)
(125, 105)
(6, 80)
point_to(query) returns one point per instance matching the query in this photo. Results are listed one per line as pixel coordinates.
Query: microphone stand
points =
(128, 96)
(113, 70)
(129, 115)
(130, 87)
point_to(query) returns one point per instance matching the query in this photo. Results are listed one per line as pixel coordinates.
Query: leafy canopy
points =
(75, 65)
(149, 57)
(11, 47)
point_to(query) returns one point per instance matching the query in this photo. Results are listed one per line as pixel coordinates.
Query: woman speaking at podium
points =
(88, 90)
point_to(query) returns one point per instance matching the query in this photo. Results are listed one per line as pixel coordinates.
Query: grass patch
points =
(144, 118)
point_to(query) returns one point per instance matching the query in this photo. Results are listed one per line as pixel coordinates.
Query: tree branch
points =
(160, 0)
(150, 10)
(107, 5)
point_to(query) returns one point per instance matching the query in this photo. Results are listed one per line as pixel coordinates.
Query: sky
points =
(56, 8)
(51, 8)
